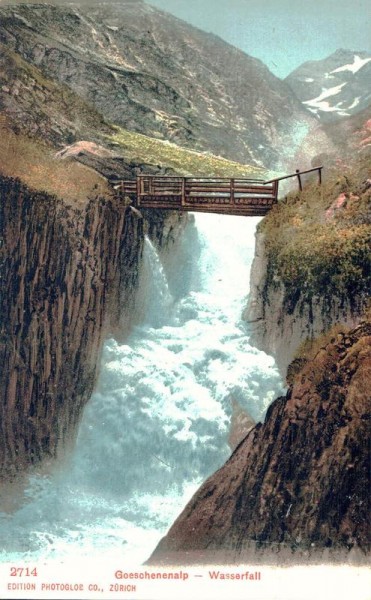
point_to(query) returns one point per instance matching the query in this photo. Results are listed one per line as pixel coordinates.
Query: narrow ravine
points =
(159, 420)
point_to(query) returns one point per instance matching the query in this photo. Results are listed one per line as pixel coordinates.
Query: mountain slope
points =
(39, 116)
(337, 86)
(41, 108)
(151, 73)
(352, 135)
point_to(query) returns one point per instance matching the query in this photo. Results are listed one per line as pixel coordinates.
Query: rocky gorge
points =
(295, 490)
(72, 248)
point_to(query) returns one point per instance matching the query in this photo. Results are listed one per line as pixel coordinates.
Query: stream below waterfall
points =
(158, 422)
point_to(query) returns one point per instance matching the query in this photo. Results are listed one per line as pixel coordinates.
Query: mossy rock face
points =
(36, 106)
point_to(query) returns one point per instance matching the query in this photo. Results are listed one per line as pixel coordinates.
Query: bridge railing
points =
(214, 194)
(188, 191)
(299, 174)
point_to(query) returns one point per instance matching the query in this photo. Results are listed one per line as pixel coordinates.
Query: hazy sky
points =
(282, 33)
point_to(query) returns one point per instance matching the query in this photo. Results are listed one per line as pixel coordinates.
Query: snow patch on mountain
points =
(320, 103)
(335, 87)
(357, 64)
(354, 103)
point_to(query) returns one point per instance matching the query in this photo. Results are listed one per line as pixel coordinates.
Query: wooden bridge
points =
(248, 197)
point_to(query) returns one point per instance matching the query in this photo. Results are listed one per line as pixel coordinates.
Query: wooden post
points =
(299, 180)
(183, 192)
(137, 202)
(320, 175)
(232, 192)
(275, 191)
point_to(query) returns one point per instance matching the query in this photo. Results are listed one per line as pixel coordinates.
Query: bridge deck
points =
(250, 197)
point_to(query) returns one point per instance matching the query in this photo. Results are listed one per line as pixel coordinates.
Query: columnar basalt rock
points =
(68, 280)
(61, 268)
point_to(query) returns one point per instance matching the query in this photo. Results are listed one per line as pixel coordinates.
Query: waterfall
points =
(154, 294)
(158, 422)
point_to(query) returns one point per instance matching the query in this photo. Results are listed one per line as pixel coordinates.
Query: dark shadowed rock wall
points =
(68, 280)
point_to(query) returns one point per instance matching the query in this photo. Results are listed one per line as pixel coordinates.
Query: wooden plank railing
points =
(218, 194)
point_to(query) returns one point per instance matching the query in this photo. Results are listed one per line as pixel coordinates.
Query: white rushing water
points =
(158, 422)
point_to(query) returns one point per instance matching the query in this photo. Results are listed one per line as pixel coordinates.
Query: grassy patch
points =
(318, 242)
(34, 163)
(143, 149)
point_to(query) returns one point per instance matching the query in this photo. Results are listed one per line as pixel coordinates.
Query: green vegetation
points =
(318, 242)
(141, 149)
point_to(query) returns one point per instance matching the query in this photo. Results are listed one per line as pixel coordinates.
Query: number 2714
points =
(23, 572)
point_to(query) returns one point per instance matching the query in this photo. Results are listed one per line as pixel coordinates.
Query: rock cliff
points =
(68, 275)
(296, 488)
(280, 323)
(311, 265)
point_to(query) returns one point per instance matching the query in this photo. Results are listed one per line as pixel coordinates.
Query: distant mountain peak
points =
(334, 87)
